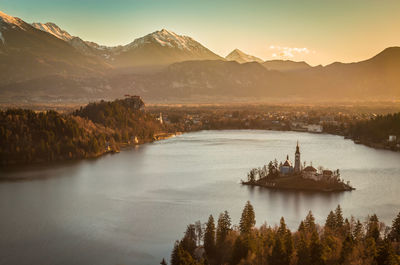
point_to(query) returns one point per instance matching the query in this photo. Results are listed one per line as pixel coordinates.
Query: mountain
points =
(54, 30)
(162, 48)
(285, 65)
(210, 80)
(241, 57)
(27, 53)
(49, 64)
(87, 48)
(377, 78)
(158, 48)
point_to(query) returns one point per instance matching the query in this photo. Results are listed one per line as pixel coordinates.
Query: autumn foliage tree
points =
(340, 241)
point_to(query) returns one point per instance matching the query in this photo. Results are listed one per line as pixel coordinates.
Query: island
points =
(297, 177)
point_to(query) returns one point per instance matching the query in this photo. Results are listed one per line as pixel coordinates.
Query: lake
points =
(129, 208)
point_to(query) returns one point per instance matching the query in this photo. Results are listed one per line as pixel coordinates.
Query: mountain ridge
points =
(36, 65)
(286, 65)
(241, 57)
(162, 47)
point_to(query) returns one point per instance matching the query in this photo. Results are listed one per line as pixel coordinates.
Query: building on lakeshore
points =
(160, 118)
(314, 128)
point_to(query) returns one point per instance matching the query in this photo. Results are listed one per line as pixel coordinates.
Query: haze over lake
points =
(130, 207)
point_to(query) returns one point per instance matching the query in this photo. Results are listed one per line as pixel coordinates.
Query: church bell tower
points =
(297, 159)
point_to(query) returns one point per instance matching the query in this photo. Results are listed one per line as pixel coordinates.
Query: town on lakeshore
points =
(299, 177)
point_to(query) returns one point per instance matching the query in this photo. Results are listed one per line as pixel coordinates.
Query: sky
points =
(315, 31)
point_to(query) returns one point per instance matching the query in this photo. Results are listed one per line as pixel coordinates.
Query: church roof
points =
(287, 163)
(310, 168)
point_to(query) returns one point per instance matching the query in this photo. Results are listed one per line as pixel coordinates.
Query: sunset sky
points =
(317, 31)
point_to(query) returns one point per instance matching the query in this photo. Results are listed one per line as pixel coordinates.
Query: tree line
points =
(377, 129)
(339, 241)
(29, 137)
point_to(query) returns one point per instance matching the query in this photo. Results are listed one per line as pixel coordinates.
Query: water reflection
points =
(295, 202)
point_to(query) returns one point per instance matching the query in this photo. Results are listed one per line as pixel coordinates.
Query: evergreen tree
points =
(282, 227)
(315, 250)
(223, 227)
(373, 228)
(331, 221)
(188, 242)
(278, 246)
(302, 227)
(370, 250)
(175, 254)
(395, 231)
(358, 233)
(347, 228)
(247, 221)
(209, 238)
(278, 255)
(288, 244)
(286, 237)
(181, 257)
(385, 254)
(270, 166)
(240, 250)
(303, 252)
(309, 222)
(339, 217)
(347, 248)
(163, 262)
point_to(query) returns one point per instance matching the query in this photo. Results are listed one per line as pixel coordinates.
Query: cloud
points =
(289, 52)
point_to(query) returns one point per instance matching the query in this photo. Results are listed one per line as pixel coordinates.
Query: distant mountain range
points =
(286, 65)
(241, 57)
(44, 63)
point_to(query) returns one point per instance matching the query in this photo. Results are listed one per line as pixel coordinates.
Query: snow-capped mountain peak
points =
(53, 29)
(162, 47)
(165, 38)
(241, 57)
(9, 19)
(6, 20)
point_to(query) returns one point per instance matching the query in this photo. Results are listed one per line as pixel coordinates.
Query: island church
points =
(287, 168)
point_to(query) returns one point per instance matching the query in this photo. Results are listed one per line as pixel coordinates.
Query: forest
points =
(377, 129)
(27, 136)
(339, 241)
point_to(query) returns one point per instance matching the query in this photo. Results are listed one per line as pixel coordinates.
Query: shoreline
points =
(123, 146)
(164, 136)
(300, 184)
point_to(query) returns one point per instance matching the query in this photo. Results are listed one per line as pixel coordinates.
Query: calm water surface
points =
(130, 207)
